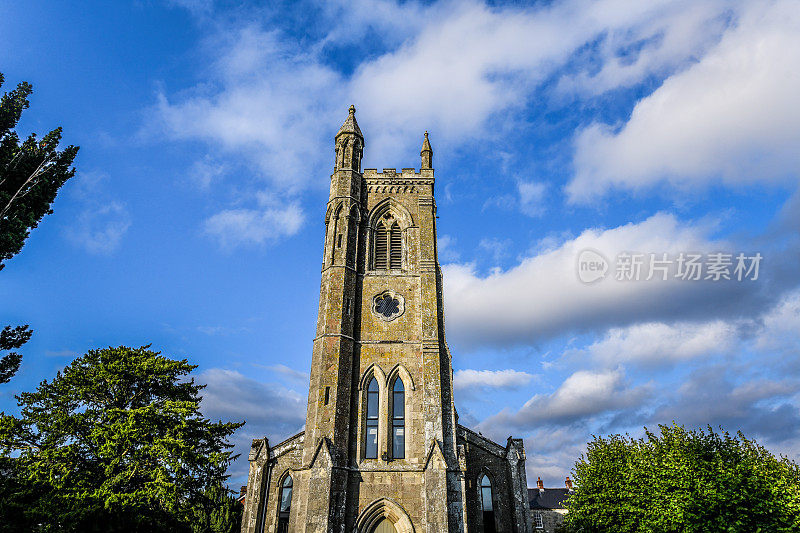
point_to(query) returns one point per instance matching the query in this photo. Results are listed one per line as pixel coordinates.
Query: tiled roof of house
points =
(548, 498)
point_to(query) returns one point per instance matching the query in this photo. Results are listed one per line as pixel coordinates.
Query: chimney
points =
(540, 483)
(568, 483)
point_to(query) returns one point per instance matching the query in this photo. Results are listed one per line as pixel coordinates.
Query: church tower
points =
(382, 450)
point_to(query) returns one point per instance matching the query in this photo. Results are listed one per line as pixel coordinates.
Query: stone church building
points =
(382, 449)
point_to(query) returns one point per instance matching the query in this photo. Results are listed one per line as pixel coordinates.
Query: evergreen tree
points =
(11, 339)
(116, 442)
(222, 512)
(31, 172)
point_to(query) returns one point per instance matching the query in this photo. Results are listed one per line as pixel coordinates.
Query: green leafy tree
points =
(31, 172)
(116, 442)
(683, 481)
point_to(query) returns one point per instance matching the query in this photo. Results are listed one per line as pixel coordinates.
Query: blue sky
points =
(195, 220)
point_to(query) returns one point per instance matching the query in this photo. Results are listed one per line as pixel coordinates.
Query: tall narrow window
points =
(395, 247)
(371, 441)
(381, 247)
(336, 230)
(398, 420)
(325, 245)
(486, 505)
(285, 503)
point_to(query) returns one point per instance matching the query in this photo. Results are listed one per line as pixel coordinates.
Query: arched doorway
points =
(384, 526)
(384, 516)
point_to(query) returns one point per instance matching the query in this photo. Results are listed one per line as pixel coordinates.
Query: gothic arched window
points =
(337, 232)
(486, 505)
(388, 248)
(398, 421)
(371, 434)
(285, 503)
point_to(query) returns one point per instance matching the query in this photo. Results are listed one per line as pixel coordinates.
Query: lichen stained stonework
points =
(382, 448)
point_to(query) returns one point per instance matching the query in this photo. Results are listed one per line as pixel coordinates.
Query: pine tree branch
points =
(36, 173)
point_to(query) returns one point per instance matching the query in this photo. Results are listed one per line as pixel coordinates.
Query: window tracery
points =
(388, 247)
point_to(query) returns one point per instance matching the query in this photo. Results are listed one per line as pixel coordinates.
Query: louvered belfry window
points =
(381, 247)
(388, 246)
(395, 247)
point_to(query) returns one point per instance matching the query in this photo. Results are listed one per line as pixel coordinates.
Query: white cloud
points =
(531, 197)
(496, 248)
(445, 248)
(290, 373)
(102, 221)
(100, 228)
(781, 325)
(657, 343)
(238, 227)
(273, 102)
(730, 117)
(207, 171)
(761, 408)
(753, 387)
(266, 102)
(278, 101)
(347, 21)
(542, 296)
(582, 395)
(552, 452)
(489, 60)
(269, 410)
(774, 330)
(494, 379)
(668, 37)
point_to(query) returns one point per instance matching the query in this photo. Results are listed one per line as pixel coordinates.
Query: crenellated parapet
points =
(405, 173)
(407, 181)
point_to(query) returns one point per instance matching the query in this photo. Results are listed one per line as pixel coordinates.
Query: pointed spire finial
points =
(350, 125)
(349, 143)
(426, 153)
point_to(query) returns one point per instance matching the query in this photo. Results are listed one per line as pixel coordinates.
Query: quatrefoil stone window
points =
(388, 305)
